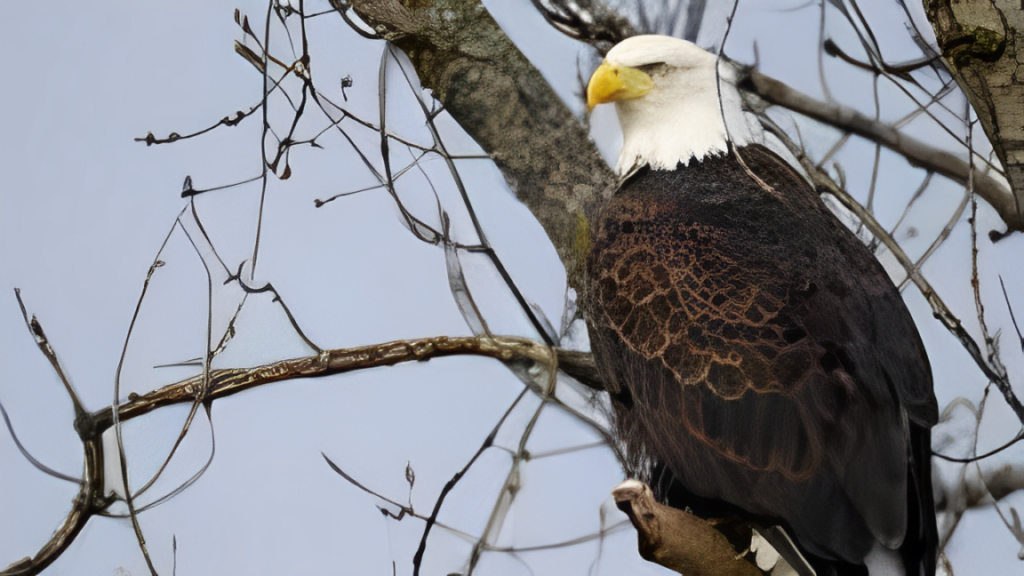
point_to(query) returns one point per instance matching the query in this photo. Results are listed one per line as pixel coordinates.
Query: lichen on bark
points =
(983, 45)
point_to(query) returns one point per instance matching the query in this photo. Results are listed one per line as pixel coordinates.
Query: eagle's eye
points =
(653, 69)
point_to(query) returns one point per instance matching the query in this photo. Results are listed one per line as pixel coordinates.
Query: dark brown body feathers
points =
(760, 357)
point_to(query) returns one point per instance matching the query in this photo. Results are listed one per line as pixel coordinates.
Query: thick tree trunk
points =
(545, 154)
(496, 95)
(504, 103)
(982, 42)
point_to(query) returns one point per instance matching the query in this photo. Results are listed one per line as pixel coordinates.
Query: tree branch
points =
(546, 155)
(994, 371)
(503, 102)
(1007, 139)
(225, 382)
(89, 501)
(590, 21)
(916, 151)
(963, 479)
(488, 86)
(581, 366)
(677, 539)
(982, 44)
(507, 106)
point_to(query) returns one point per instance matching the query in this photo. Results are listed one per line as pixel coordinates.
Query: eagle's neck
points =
(682, 119)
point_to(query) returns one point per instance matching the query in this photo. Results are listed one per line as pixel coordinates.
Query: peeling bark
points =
(982, 43)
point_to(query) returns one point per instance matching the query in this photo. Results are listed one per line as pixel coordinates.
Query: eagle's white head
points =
(666, 94)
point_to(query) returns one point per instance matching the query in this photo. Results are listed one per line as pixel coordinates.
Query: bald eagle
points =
(761, 363)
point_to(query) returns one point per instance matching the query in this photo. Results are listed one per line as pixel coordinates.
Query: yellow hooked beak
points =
(611, 82)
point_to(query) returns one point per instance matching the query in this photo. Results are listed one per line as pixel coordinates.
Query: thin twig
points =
(941, 312)
(225, 382)
(916, 151)
(36, 329)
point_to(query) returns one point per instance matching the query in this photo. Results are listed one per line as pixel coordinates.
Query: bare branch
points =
(676, 539)
(982, 44)
(88, 502)
(1006, 203)
(36, 329)
(984, 482)
(581, 366)
(488, 86)
(589, 21)
(964, 483)
(225, 382)
(916, 151)
(824, 183)
(28, 455)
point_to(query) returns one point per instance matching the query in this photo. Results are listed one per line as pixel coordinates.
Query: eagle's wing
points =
(761, 352)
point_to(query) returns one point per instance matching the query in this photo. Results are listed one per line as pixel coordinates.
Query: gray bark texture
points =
(504, 103)
(982, 42)
(545, 154)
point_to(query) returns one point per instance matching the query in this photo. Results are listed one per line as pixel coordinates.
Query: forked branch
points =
(225, 382)
(917, 152)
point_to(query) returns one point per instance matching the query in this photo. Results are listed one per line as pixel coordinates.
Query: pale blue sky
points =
(84, 209)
